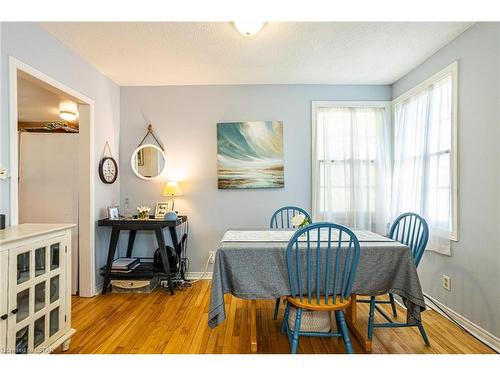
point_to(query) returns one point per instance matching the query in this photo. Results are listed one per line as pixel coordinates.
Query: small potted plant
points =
(300, 221)
(143, 212)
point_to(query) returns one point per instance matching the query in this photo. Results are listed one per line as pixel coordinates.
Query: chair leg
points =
(285, 318)
(422, 332)
(337, 320)
(345, 331)
(371, 318)
(393, 305)
(296, 329)
(276, 308)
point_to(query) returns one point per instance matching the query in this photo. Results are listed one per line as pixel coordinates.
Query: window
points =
(351, 164)
(424, 177)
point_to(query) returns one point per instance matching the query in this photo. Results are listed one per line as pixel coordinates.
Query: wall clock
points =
(108, 168)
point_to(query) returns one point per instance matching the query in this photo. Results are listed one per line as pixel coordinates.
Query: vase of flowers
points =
(300, 221)
(143, 212)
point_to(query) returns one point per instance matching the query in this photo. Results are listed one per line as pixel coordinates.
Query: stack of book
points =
(125, 265)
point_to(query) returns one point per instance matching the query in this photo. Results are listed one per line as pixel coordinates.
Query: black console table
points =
(133, 225)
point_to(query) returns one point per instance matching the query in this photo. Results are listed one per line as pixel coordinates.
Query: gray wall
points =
(184, 117)
(474, 266)
(32, 45)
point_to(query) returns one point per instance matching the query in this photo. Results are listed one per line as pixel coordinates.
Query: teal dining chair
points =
(282, 218)
(322, 259)
(412, 230)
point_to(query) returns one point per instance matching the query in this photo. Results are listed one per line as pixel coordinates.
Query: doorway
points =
(52, 163)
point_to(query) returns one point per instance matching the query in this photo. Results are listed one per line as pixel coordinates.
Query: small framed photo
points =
(161, 209)
(114, 213)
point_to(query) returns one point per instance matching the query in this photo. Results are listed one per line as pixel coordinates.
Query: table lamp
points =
(172, 189)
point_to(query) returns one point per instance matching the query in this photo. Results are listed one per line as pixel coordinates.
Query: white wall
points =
(185, 118)
(474, 266)
(49, 185)
(32, 45)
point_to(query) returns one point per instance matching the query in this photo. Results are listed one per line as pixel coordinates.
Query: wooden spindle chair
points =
(322, 259)
(282, 218)
(412, 230)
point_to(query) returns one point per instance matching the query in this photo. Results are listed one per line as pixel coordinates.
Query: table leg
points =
(131, 240)
(175, 240)
(164, 258)
(253, 326)
(113, 242)
(352, 318)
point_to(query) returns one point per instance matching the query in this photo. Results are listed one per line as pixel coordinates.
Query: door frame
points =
(86, 200)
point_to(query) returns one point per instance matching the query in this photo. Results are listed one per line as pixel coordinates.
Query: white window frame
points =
(316, 104)
(452, 70)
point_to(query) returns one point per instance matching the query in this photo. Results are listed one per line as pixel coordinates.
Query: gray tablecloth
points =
(257, 270)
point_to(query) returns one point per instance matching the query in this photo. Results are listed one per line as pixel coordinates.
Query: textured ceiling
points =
(194, 53)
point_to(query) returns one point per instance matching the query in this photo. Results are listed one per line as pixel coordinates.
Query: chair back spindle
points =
(282, 217)
(412, 230)
(331, 274)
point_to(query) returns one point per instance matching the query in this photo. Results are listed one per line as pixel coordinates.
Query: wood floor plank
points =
(161, 323)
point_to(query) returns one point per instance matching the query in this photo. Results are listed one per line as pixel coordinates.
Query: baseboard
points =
(197, 275)
(98, 288)
(480, 333)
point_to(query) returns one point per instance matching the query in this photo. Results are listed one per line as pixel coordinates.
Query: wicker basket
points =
(134, 286)
(312, 321)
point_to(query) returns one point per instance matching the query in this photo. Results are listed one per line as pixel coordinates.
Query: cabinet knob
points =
(14, 311)
(4, 316)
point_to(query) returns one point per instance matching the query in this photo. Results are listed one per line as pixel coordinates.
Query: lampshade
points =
(171, 188)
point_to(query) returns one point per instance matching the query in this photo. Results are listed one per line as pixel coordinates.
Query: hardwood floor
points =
(161, 323)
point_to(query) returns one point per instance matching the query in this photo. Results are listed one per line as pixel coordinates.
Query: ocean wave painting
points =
(250, 155)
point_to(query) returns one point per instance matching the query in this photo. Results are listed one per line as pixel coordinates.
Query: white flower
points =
(143, 209)
(298, 219)
(3, 173)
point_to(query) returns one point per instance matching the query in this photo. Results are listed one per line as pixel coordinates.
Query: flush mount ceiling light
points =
(248, 28)
(68, 116)
(68, 110)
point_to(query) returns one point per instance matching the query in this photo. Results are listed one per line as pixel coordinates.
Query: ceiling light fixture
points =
(248, 28)
(68, 116)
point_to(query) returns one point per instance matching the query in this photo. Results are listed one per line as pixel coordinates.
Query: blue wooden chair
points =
(282, 218)
(322, 259)
(412, 230)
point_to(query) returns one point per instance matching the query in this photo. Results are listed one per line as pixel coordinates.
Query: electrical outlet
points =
(211, 257)
(446, 282)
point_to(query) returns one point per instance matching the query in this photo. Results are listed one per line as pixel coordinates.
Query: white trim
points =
(453, 70)
(478, 332)
(197, 275)
(87, 281)
(350, 103)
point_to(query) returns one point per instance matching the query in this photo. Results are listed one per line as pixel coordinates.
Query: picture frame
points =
(113, 213)
(161, 209)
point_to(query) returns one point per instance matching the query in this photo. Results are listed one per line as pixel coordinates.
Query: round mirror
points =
(148, 161)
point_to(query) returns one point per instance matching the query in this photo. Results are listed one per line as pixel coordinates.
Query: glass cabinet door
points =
(40, 261)
(54, 322)
(23, 267)
(54, 256)
(23, 305)
(36, 295)
(22, 337)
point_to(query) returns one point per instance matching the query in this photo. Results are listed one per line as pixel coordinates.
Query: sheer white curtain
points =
(422, 180)
(351, 167)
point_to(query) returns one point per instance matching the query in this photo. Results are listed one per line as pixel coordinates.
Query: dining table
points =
(251, 264)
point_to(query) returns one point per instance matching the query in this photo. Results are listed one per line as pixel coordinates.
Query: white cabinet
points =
(35, 288)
